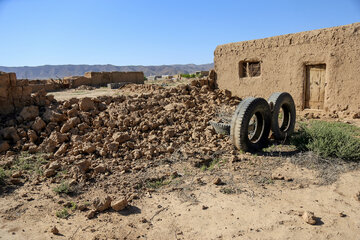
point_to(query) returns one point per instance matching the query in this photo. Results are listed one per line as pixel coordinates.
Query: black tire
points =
(233, 119)
(259, 110)
(282, 101)
(221, 128)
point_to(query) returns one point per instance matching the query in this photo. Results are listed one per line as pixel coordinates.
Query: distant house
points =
(319, 68)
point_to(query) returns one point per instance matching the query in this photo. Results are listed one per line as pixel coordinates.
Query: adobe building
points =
(320, 68)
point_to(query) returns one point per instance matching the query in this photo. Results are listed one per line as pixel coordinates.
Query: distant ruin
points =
(95, 79)
(16, 93)
(320, 68)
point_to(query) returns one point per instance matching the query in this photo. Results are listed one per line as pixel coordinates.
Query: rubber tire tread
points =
(248, 108)
(277, 99)
(233, 119)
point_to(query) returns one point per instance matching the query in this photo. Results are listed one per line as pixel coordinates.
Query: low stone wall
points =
(47, 87)
(103, 78)
(14, 94)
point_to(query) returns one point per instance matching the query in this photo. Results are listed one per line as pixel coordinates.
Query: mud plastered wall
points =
(14, 94)
(102, 78)
(283, 62)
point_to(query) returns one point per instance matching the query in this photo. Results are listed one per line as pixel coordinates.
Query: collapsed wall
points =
(14, 94)
(102, 78)
(319, 68)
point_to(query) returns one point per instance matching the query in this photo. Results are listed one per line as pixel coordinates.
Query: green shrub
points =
(186, 75)
(64, 213)
(62, 188)
(329, 139)
(29, 163)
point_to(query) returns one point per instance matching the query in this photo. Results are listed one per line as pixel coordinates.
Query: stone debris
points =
(218, 181)
(102, 203)
(142, 126)
(119, 204)
(91, 214)
(54, 230)
(277, 176)
(309, 217)
(357, 196)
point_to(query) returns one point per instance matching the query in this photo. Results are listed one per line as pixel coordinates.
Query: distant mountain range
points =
(60, 71)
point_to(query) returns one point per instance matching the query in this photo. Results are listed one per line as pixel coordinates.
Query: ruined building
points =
(320, 68)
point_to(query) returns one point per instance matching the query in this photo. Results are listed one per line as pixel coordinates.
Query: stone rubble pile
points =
(148, 125)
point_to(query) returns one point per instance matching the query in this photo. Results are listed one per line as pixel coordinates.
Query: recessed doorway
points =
(315, 86)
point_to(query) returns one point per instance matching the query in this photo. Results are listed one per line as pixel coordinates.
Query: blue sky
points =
(151, 32)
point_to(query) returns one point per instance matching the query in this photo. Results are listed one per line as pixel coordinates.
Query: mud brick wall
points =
(14, 94)
(284, 61)
(102, 78)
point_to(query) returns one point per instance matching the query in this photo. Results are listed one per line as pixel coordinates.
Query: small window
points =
(250, 69)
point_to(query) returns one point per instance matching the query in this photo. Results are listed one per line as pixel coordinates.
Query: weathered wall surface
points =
(102, 78)
(284, 60)
(14, 94)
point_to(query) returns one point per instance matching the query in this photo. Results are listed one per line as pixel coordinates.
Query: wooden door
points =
(315, 86)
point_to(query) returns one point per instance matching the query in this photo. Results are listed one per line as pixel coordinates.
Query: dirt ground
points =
(195, 208)
(236, 196)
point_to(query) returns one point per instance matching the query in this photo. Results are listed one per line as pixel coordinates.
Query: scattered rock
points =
(84, 165)
(54, 230)
(16, 174)
(218, 181)
(357, 196)
(309, 217)
(4, 146)
(88, 148)
(91, 214)
(55, 165)
(10, 133)
(49, 173)
(120, 137)
(29, 113)
(86, 104)
(15, 181)
(277, 176)
(119, 205)
(100, 168)
(102, 203)
(38, 124)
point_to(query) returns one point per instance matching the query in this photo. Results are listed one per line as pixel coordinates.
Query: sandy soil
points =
(249, 205)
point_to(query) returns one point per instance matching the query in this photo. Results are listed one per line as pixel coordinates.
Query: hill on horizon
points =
(60, 71)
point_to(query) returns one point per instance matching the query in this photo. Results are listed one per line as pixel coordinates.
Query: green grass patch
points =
(228, 191)
(329, 139)
(64, 213)
(266, 180)
(62, 188)
(158, 183)
(25, 162)
(212, 164)
(30, 163)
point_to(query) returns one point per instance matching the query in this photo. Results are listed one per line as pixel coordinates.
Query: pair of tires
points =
(255, 117)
